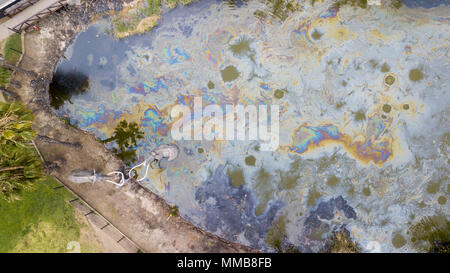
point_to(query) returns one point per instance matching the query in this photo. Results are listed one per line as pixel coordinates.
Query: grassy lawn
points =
(43, 221)
(12, 48)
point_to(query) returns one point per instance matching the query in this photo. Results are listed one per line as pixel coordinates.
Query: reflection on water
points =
(66, 85)
(125, 137)
(363, 137)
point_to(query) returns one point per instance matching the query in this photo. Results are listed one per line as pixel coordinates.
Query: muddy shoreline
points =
(140, 214)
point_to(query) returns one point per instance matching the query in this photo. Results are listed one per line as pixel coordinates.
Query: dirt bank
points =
(137, 212)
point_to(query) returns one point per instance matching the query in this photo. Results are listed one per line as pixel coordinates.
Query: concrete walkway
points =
(22, 16)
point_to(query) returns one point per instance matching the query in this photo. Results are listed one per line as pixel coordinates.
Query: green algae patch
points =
(288, 180)
(200, 150)
(326, 162)
(366, 191)
(396, 4)
(279, 93)
(230, 73)
(429, 231)
(387, 108)
(339, 104)
(416, 75)
(316, 35)
(351, 190)
(442, 200)
(385, 68)
(241, 47)
(433, 187)
(341, 242)
(359, 115)
(237, 177)
(332, 181)
(389, 80)
(250, 160)
(317, 233)
(211, 85)
(313, 195)
(277, 233)
(405, 106)
(264, 190)
(398, 241)
(444, 143)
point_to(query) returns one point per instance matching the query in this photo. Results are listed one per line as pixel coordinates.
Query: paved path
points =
(22, 16)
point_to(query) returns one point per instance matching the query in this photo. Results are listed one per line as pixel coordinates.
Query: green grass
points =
(14, 42)
(153, 7)
(12, 45)
(5, 76)
(133, 21)
(171, 3)
(147, 9)
(43, 221)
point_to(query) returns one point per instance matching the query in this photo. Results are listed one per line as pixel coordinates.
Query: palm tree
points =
(20, 166)
(126, 136)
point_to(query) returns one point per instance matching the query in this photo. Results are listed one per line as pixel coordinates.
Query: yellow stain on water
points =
(339, 33)
(375, 36)
(376, 33)
(158, 180)
(355, 232)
